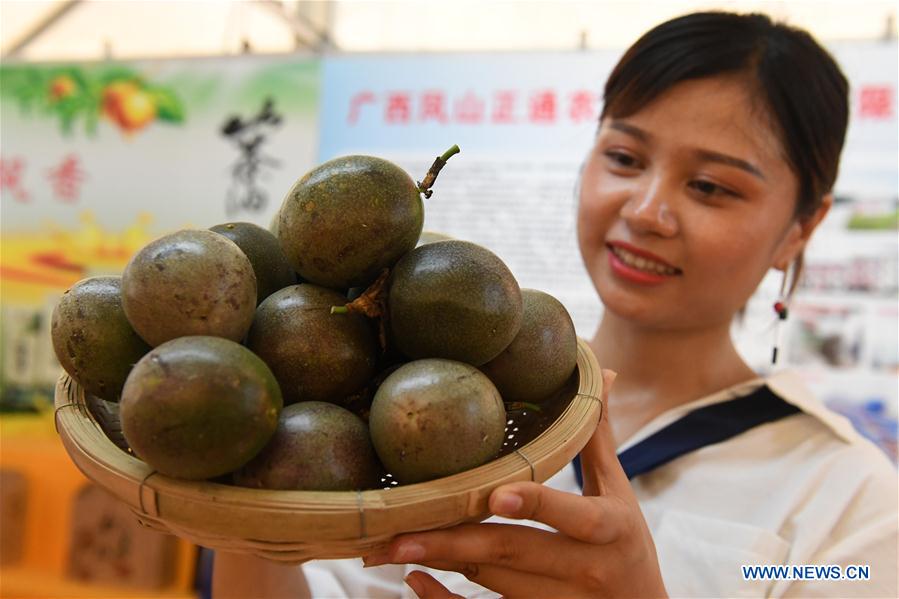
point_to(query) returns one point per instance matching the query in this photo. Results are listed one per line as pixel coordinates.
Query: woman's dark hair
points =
(803, 89)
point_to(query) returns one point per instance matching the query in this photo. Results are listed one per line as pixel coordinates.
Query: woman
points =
(716, 154)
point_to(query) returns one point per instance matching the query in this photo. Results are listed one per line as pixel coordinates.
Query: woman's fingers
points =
(427, 587)
(599, 458)
(595, 520)
(506, 545)
(522, 548)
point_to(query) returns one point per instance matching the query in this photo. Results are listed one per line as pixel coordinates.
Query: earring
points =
(780, 308)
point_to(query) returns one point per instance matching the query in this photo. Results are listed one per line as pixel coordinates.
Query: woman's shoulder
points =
(835, 439)
(802, 489)
(813, 466)
(812, 460)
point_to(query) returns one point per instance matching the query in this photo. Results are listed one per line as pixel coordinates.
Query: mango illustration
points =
(127, 105)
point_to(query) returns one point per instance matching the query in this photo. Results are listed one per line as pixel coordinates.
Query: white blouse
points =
(806, 490)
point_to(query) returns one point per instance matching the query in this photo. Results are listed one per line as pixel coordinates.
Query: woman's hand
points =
(603, 547)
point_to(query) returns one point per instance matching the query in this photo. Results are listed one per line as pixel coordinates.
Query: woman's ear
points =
(799, 233)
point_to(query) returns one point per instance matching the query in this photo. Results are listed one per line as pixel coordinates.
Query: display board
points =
(99, 158)
(525, 122)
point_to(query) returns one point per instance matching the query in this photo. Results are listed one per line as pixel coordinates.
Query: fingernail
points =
(414, 584)
(375, 559)
(408, 551)
(507, 504)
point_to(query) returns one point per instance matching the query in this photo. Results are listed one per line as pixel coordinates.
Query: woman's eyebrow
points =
(631, 130)
(707, 155)
(739, 163)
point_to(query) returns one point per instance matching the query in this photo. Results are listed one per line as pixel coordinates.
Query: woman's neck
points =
(661, 369)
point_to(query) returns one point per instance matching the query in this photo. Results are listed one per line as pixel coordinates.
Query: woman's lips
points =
(639, 266)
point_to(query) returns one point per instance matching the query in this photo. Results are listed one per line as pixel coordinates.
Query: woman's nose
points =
(649, 210)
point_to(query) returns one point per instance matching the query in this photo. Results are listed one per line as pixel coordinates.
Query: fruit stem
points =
(424, 186)
(450, 153)
(373, 304)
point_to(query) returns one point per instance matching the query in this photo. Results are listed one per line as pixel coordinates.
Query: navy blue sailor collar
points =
(720, 417)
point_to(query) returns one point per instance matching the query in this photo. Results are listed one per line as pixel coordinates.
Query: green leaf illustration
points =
(72, 94)
(168, 106)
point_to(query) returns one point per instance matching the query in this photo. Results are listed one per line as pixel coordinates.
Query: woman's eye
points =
(622, 159)
(709, 189)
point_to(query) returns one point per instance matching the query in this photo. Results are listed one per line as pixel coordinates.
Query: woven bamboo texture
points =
(295, 526)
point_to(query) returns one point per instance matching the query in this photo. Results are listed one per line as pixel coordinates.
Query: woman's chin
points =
(637, 310)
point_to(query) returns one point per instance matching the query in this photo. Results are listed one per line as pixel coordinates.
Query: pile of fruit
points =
(341, 346)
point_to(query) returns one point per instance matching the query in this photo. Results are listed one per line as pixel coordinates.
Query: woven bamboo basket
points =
(295, 526)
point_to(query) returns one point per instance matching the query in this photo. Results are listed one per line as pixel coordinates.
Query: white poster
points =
(524, 123)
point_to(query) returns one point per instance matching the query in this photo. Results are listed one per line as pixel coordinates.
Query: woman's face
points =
(685, 205)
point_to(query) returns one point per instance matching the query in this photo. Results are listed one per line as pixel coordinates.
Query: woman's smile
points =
(637, 265)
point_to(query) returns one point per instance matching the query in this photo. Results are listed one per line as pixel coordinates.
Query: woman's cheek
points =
(597, 199)
(584, 233)
(732, 268)
(592, 223)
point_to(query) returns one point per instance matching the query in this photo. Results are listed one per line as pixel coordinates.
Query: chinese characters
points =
(65, 179)
(499, 107)
(245, 192)
(531, 107)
